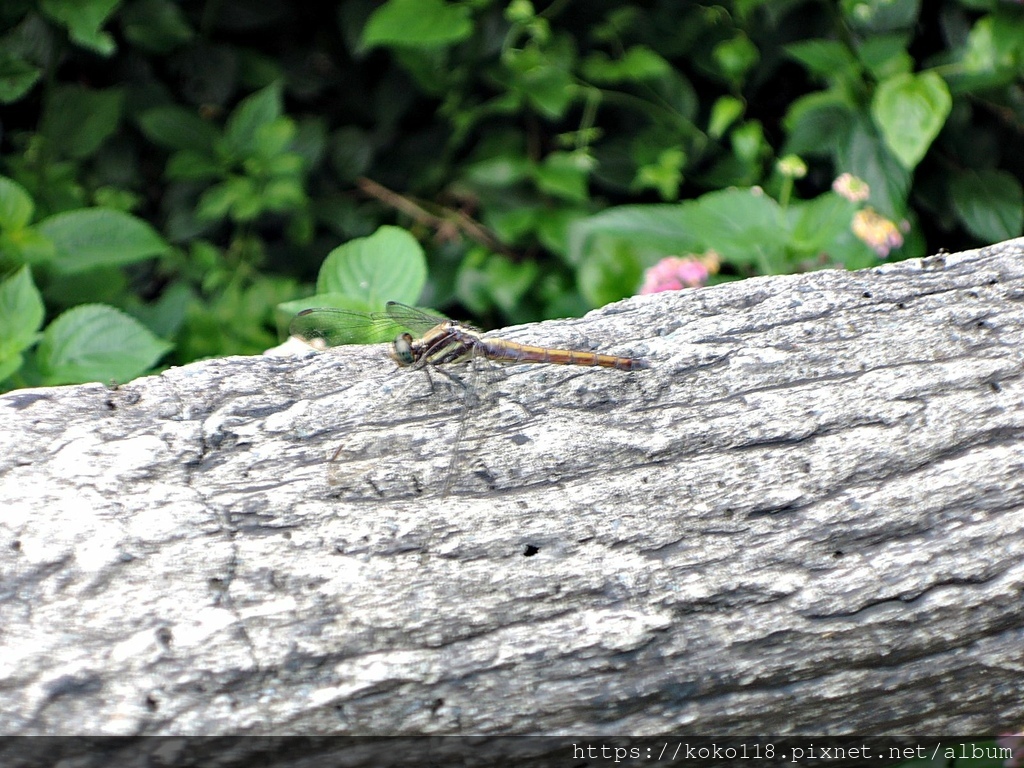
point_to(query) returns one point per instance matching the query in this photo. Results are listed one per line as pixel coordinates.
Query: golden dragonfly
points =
(440, 341)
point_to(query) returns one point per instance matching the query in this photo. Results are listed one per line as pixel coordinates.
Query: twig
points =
(460, 220)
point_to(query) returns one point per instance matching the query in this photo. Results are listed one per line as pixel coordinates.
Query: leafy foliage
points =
(367, 272)
(186, 169)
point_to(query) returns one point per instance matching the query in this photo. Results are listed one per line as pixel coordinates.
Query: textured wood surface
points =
(806, 517)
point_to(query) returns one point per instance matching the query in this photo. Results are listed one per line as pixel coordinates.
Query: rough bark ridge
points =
(806, 517)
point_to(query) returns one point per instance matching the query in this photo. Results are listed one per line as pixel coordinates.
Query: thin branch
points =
(443, 224)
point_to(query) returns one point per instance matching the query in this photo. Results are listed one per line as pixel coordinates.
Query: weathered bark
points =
(806, 517)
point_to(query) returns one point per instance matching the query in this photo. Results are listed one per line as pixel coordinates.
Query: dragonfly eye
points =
(402, 351)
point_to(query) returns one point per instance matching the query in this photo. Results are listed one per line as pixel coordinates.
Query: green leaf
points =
(826, 59)
(246, 201)
(874, 16)
(282, 195)
(991, 56)
(549, 90)
(724, 112)
(500, 171)
(103, 285)
(428, 67)
(16, 206)
(980, 54)
(543, 78)
(748, 142)
(886, 55)
(637, 64)
(9, 365)
(155, 25)
(237, 196)
(552, 227)
(736, 57)
(744, 226)
(273, 138)
(114, 197)
(866, 156)
(989, 203)
(21, 313)
(911, 110)
(83, 19)
(179, 128)
(242, 131)
(77, 120)
(486, 280)
(194, 166)
(26, 246)
(94, 342)
(351, 152)
(288, 164)
(167, 314)
(17, 77)
(389, 265)
(650, 231)
(98, 237)
(417, 24)
(664, 175)
(819, 225)
(817, 124)
(565, 175)
(512, 224)
(258, 70)
(995, 44)
(310, 140)
(607, 275)
(677, 93)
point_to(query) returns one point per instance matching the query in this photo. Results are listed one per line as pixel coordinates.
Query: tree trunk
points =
(805, 517)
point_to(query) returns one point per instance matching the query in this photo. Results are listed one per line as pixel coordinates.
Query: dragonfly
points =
(437, 341)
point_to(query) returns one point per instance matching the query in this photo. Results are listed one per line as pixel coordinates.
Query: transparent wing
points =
(348, 326)
(415, 320)
(343, 326)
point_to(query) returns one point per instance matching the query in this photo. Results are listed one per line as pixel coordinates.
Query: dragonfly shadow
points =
(397, 456)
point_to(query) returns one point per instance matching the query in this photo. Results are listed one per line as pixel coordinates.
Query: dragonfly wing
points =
(343, 326)
(415, 320)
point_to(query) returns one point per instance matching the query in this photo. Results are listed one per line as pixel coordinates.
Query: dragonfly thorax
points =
(444, 343)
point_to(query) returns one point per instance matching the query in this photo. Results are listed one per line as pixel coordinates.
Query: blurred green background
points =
(178, 178)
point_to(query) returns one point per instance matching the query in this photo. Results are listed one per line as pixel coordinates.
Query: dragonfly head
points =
(402, 350)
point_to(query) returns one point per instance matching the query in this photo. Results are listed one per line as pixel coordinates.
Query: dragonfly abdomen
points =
(511, 351)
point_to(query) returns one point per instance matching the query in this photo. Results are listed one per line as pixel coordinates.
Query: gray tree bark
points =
(806, 517)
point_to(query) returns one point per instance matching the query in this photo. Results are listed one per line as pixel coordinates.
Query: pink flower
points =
(674, 273)
(853, 189)
(877, 232)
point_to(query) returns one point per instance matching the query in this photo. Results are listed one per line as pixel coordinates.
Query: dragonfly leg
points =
(453, 378)
(470, 401)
